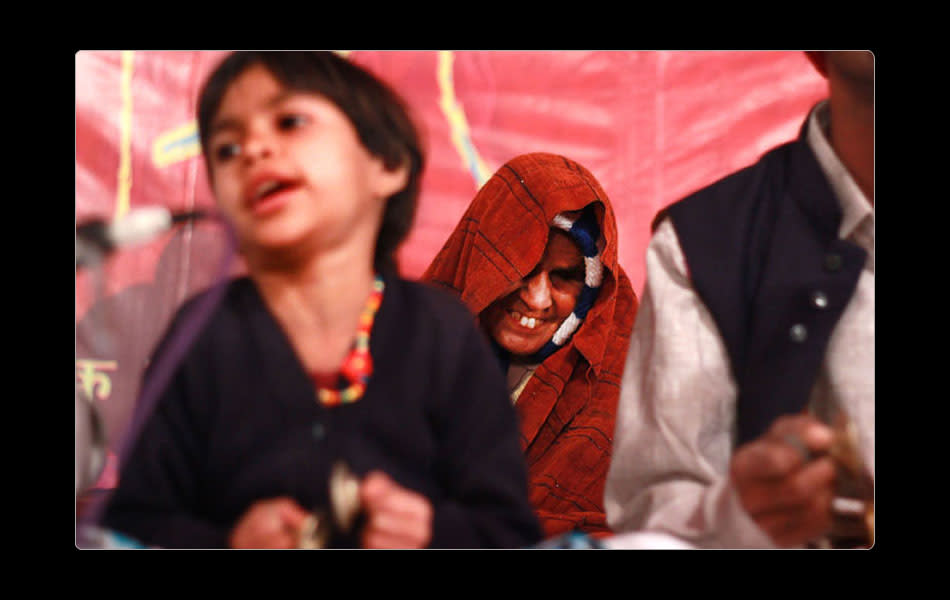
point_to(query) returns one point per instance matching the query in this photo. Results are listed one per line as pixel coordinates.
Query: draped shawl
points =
(567, 409)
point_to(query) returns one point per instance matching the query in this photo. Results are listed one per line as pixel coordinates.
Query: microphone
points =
(97, 237)
(140, 225)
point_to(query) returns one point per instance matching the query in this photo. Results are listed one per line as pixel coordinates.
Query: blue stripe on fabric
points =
(585, 300)
(586, 232)
(546, 350)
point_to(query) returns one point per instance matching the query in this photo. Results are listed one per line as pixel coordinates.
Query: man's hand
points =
(785, 493)
(395, 517)
(273, 523)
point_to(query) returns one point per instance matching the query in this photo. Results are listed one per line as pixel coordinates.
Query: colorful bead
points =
(358, 364)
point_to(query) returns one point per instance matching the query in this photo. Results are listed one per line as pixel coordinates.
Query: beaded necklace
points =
(358, 366)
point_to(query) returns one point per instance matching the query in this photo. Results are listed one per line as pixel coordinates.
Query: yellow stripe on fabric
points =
(124, 183)
(458, 125)
(176, 145)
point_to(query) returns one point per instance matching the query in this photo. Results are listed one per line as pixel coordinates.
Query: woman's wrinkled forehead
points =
(561, 252)
(560, 248)
(560, 244)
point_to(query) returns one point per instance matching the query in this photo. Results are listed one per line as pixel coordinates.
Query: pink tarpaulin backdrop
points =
(651, 125)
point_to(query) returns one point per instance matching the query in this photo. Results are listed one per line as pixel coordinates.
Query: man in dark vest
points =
(746, 417)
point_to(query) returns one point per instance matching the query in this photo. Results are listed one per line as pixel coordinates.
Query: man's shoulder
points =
(747, 180)
(728, 196)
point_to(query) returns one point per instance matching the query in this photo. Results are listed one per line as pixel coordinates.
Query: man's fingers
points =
(797, 525)
(790, 442)
(804, 433)
(793, 528)
(812, 483)
(765, 459)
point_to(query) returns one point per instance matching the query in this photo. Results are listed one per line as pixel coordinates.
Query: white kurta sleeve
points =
(676, 417)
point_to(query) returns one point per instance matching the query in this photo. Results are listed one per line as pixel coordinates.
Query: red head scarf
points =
(499, 240)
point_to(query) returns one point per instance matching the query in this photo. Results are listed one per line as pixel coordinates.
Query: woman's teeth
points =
(529, 322)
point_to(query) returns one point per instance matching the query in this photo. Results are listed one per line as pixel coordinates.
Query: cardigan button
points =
(833, 261)
(819, 300)
(798, 333)
(318, 431)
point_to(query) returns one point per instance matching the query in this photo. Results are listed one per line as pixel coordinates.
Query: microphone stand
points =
(91, 251)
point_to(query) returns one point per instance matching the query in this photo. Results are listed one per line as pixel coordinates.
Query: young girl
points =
(322, 354)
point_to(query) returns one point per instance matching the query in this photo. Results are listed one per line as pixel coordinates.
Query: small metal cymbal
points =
(318, 528)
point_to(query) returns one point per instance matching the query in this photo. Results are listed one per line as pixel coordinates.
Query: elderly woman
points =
(535, 258)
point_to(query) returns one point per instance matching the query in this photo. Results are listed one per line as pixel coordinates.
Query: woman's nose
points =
(536, 291)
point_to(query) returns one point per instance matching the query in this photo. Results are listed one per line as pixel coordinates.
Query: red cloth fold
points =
(567, 409)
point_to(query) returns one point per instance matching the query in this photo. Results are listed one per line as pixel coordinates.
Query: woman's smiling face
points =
(524, 319)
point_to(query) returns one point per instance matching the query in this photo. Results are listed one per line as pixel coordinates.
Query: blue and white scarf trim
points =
(585, 232)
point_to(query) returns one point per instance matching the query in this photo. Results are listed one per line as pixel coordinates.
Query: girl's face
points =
(289, 171)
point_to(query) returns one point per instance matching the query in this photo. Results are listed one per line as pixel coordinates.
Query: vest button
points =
(833, 261)
(798, 333)
(819, 300)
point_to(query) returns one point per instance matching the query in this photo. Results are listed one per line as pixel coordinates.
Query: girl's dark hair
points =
(378, 113)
